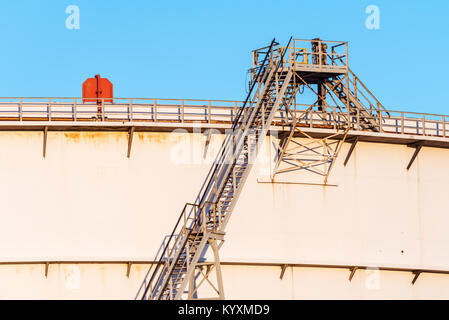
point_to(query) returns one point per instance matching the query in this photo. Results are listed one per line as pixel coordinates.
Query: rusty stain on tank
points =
(153, 137)
(95, 137)
(20, 134)
(119, 137)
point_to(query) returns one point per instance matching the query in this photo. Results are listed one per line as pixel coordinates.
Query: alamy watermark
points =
(206, 147)
(73, 19)
(372, 22)
(372, 280)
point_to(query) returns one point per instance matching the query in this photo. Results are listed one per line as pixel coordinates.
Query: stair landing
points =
(314, 74)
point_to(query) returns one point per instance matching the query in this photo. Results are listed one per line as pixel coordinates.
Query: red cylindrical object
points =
(96, 89)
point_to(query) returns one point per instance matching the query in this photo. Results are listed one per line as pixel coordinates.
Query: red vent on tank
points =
(96, 89)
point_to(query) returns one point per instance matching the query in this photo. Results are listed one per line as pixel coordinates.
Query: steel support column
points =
(417, 147)
(130, 140)
(44, 147)
(351, 149)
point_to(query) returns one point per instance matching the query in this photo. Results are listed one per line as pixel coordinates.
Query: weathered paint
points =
(87, 201)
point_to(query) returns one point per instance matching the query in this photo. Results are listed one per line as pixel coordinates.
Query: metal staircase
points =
(202, 224)
(277, 75)
(354, 94)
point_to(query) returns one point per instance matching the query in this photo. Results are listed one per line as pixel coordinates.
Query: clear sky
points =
(201, 49)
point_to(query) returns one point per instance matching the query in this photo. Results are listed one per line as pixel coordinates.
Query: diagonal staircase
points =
(203, 223)
(359, 99)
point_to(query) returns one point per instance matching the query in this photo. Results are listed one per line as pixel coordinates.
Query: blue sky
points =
(201, 49)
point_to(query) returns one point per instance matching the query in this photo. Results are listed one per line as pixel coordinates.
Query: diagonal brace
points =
(44, 147)
(416, 275)
(417, 147)
(283, 268)
(130, 140)
(351, 149)
(353, 270)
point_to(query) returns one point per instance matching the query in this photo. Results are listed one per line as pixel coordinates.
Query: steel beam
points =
(351, 149)
(417, 273)
(206, 145)
(417, 147)
(283, 268)
(130, 140)
(219, 275)
(353, 270)
(128, 269)
(47, 264)
(44, 150)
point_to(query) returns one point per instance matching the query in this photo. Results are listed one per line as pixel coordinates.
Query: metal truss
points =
(316, 155)
(300, 151)
(203, 275)
(354, 107)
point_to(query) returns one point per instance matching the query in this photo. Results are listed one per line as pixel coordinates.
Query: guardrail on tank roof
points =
(21, 109)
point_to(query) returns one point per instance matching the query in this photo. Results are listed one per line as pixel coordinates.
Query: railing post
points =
(346, 46)
(130, 109)
(334, 110)
(215, 216)
(203, 217)
(20, 109)
(49, 109)
(402, 122)
(380, 121)
(311, 118)
(74, 109)
(154, 111)
(332, 56)
(102, 109)
(349, 116)
(208, 112)
(444, 126)
(358, 119)
(346, 91)
(182, 111)
(320, 55)
(423, 125)
(292, 57)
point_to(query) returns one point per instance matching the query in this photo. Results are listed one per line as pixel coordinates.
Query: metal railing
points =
(208, 111)
(311, 55)
(388, 121)
(363, 95)
(123, 109)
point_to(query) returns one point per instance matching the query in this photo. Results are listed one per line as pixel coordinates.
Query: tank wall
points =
(87, 201)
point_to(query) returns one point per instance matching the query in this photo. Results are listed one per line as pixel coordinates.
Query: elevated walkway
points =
(165, 115)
